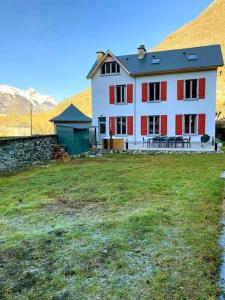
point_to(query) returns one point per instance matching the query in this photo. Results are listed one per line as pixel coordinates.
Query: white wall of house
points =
(100, 97)
(172, 106)
(101, 106)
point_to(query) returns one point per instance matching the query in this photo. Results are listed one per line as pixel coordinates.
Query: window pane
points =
(102, 119)
(193, 123)
(102, 128)
(124, 125)
(186, 124)
(187, 89)
(150, 124)
(194, 88)
(107, 68)
(156, 124)
(103, 69)
(118, 125)
(113, 67)
(151, 92)
(118, 68)
(123, 94)
(157, 90)
(118, 94)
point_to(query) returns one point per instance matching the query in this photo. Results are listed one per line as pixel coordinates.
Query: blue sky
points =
(50, 45)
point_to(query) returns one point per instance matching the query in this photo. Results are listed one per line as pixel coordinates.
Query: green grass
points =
(116, 227)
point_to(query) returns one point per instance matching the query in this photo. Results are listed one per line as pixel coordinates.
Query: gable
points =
(109, 56)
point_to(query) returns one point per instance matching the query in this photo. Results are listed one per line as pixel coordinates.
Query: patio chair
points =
(145, 142)
(171, 142)
(156, 141)
(179, 141)
(187, 141)
(163, 141)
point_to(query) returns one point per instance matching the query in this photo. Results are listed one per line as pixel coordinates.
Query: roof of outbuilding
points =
(171, 60)
(71, 114)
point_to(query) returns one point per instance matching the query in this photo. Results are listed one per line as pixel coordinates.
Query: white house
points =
(166, 93)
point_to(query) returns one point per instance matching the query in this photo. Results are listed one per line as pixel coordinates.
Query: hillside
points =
(81, 100)
(207, 28)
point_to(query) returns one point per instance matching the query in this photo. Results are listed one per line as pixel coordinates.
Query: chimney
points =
(141, 51)
(100, 55)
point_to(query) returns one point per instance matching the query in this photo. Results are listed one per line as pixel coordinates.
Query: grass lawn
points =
(115, 227)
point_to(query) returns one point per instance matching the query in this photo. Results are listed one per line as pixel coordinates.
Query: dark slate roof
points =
(71, 114)
(76, 126)
(172, 60)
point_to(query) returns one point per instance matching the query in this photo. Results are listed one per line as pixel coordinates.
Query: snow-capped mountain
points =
(14, 100)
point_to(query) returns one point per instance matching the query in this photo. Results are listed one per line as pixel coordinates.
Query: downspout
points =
(135, 101)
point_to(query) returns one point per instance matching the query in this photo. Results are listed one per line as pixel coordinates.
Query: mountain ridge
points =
(18, 101)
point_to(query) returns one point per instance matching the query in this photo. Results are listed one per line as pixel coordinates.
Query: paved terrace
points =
(195, 147)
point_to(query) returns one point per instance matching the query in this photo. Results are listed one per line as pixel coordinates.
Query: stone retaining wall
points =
(19, 152)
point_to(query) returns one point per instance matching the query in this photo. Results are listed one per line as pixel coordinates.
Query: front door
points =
(101, 128)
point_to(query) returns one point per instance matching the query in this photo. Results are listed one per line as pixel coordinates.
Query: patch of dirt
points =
(72, 207)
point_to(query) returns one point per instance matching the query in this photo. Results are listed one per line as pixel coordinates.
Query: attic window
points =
(192, 57)
(156, 60)
(111, 67)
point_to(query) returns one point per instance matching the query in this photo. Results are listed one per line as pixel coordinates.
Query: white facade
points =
(101, 106)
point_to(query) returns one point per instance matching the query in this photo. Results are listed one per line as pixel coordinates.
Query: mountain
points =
(40, 120)
(17, 101)
(208, 28)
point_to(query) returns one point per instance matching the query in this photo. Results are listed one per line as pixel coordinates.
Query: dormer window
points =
(111, 67)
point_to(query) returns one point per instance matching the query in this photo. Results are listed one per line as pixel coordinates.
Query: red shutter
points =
(144, 92)
(179, 124)
(164, 125)
(130, 125)
(201, 124)
(112, 125)
(143, 125)
(163, 90)
(130, 93)
(111, 94)
(201, 93)
(180, 89)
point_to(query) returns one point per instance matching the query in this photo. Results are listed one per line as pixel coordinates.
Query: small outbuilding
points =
(74, 130)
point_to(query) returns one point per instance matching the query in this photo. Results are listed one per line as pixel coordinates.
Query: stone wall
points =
(19, 152)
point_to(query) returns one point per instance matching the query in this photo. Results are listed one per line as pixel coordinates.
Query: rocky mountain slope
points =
(17, 101)
(208, 28)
